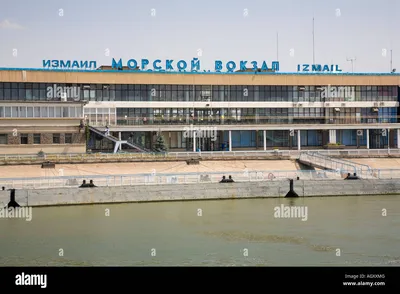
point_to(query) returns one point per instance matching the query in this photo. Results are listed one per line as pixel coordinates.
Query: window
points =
(56, 138)
(72, 112)
(36, 111)
(29, 111)
(43, 111)
(3, 139)
(58, 111)
(36, 138)
(65, 112)
(24, 138)
(7, 111)
(68, 138)
(22, 111)
(14, 111)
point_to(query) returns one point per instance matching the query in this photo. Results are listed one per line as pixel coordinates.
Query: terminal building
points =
(68, 111)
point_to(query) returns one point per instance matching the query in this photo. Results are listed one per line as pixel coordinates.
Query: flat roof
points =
(134, 77)
(200, 72)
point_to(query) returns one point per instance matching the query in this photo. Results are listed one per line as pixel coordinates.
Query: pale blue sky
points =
(362, 29)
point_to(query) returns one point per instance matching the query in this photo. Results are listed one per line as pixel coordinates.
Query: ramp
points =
(118, 142)
(320, 161)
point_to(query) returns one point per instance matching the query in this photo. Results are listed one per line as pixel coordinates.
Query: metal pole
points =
(277, 46)
(391, 60)
(313, 41)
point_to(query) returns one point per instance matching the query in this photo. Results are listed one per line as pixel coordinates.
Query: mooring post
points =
(12, 202)
(291, 193)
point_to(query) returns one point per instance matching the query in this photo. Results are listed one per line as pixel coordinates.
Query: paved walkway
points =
(28, 171)
(143, 167)
(390, 163)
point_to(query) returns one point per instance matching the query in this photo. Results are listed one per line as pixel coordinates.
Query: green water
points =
(208, 233)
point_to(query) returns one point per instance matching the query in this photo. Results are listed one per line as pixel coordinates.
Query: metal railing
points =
(363, 170)
(385, 173)
(327, 162)
(203, 154)
(165, 178)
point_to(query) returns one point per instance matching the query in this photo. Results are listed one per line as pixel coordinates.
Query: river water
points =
(338, 231)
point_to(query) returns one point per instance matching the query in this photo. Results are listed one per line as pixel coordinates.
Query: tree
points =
(160, 145)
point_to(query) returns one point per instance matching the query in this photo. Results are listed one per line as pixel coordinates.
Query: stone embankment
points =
(209, 191)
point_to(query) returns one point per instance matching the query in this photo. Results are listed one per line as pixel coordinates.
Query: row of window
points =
(217, 113)
(37, 139)
(136, 116)
(41, 111)
(103, 92)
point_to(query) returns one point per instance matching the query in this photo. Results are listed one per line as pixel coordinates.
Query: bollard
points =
(12, 202)
(291, 193)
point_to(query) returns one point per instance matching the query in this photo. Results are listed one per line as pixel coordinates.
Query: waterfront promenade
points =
(27, 171)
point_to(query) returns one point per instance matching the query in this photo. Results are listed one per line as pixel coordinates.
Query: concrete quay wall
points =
(209, 191)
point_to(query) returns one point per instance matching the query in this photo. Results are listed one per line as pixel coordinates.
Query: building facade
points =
(44, 110)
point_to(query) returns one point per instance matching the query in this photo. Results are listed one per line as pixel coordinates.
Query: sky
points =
(260, 30)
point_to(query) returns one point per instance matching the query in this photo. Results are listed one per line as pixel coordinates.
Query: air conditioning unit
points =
(382, 104)
(343, 104)
(376, 104)
(359, 132)
(300, 105)
(326, 104)
(294, 104)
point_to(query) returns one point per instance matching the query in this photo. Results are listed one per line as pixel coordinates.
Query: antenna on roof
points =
(352, 63)
(277, 46)
(313, 42)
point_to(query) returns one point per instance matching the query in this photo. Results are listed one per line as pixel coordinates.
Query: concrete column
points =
(119, 138)
(265, 140)
(194, 141)
(368, 138)
(298, 140)
(332, 136)
(230, 140)
(398, 138)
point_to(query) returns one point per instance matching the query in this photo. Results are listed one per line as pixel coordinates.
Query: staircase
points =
(119, 142)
